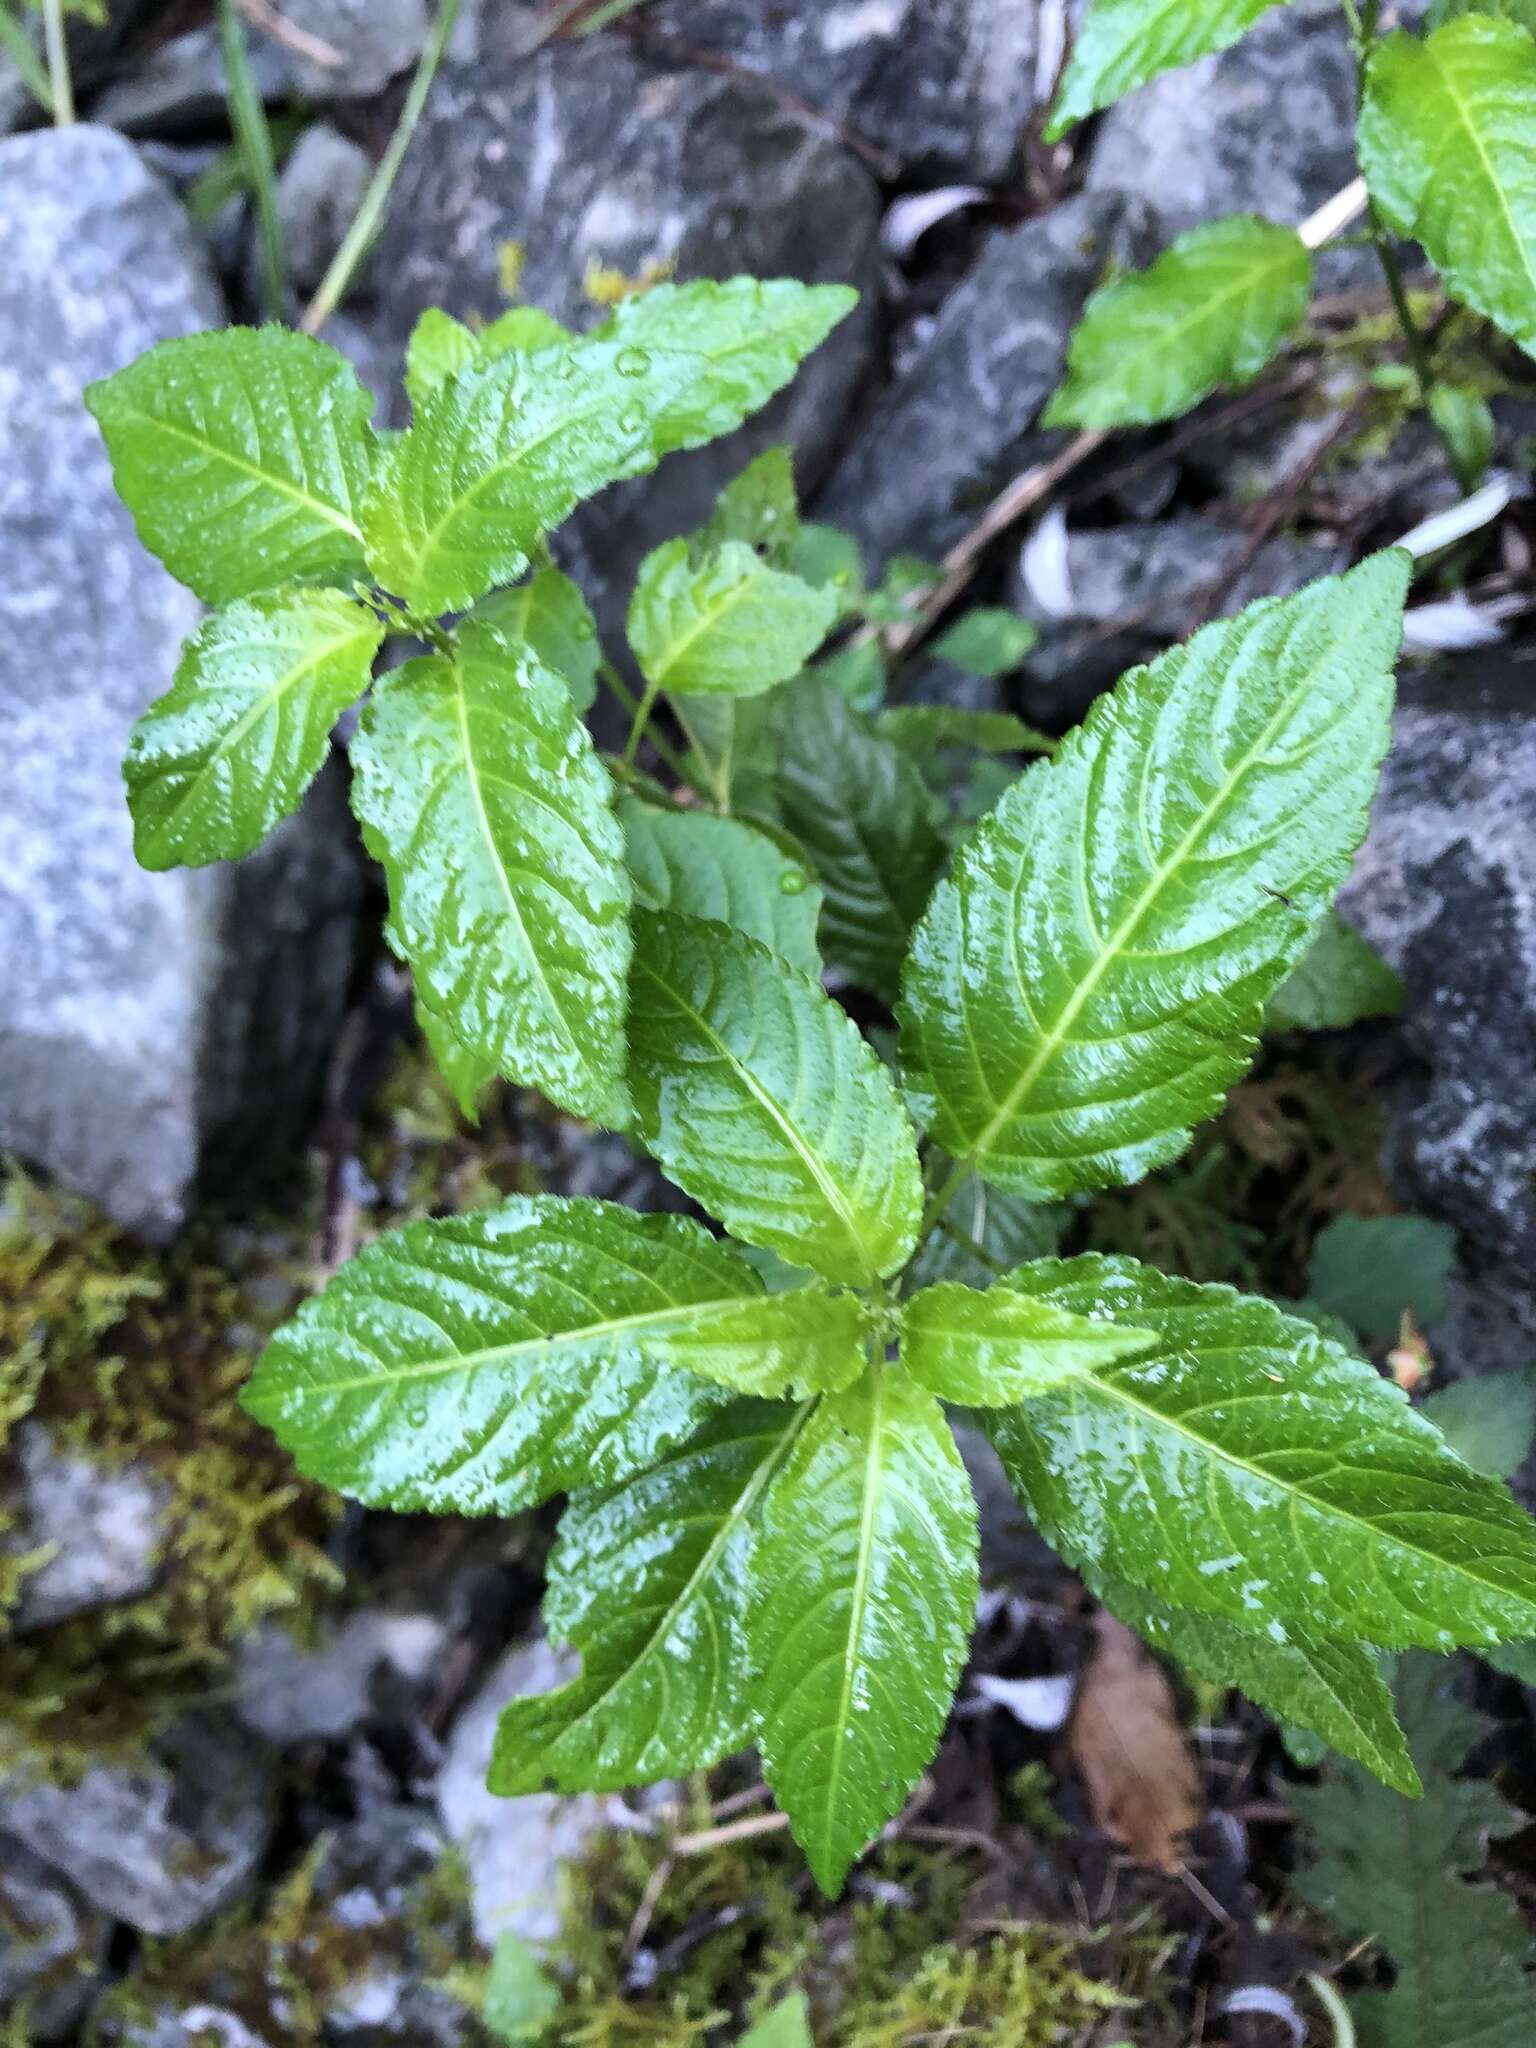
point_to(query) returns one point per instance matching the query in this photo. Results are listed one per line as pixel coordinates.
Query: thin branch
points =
(733, 1831)
(333, 286)
(261, 14)
(60, 88)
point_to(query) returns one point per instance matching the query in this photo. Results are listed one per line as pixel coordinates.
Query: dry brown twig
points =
(263, 15)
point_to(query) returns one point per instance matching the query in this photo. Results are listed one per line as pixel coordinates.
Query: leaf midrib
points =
(679, 1314)
(1119, 940)
(799, 1144)
(1463, 110)
(857, 1606)
(707, 618)
(330, 513)
(1165, 338)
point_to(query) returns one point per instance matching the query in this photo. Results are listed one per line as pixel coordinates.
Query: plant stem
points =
(940, 1200)
(625, 697)
(248, 120)
(18, 43)
(1336, 2009)
(59, 86)
(333, 286)
(639, 722)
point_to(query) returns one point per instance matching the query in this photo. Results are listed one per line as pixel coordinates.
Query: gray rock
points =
(375, 39)
(179, 85)
(513, 1848)
(588, 154)
(101, 1527)
(164, 1844)
(127, 1013)
(200, 2024)
(317, 196)
(1131, 591)
(952, 429)
(288, 1694)
(52, 1947)
(1266, 126)
(944, 87)
(1445, 886)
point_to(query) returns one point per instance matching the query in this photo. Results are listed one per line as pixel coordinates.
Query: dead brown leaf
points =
(1126, 1741)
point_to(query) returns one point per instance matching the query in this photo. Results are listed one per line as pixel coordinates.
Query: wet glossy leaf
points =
(1212, 310)
(1523, 11)
(760, 508)
(700, 865)
(864, 1576)
(520, 1995)
(243, 456)
(480, 793)
(1340, 979)
(988, 1350)
(440, 346)
(1248, 1468)
(650, 1583)
(1092, 978)
(238, 738)
(751, 333)
(480, 1363)
(853, 799)
(1368, 1269)
(466, 1072)
(725, 623)
(1123, 43)
(1395, 1873)
(1448, 147)
(988, 640)
(786, 2026)
(758, 1096)
(551, 616)
(1333, 1690)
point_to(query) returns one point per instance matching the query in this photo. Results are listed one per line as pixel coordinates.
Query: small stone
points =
(99, 1524)
(52, 1947)
(375, 39)
(513, 1847)
(952, 430)
(289, 1695)
(180, 87)
(164, 1844)
(318, 193)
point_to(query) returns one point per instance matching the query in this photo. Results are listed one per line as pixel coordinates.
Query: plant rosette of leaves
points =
(770, 1537)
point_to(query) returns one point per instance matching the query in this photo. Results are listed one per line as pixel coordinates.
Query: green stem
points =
(639, 722)
(333, 286)
(625, 697)
(59, 86)
(248, 121)
(939, 1201)
(18, 43)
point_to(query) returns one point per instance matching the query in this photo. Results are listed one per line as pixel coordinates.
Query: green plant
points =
(1445, 145)
(771, 1536)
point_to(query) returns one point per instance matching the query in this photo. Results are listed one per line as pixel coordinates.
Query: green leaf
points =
(993, 1349)
(787, 2025)
(1250, 1469)
(1123, 43)
(479, 791)
(986, 641)
(922, 727)
(864, 1585)
(750, 334)
(240, 735)
(1522, 11)
(1212, 310)
(723, 624)
(1092, 978)
(787, 1342)
(1332, 1690)
(1339, 980)
(758, 1096)
(826, 554)
(1465, 418)
(480, 1363)
(520, 1996)
(550, 616)
(466, 1072)
(983, 1232)
(651, 1583)
(440, 346)
(1515, 1660)
(760, 508)
(243, 456)
(853, 799)
(717, 868)
(1368, 1269)
(857, 672)
(1395, 1873)
(1489, 1421)
(1448, 148)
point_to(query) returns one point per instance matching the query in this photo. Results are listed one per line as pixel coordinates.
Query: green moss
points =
(127, 1355)
(668, 1951)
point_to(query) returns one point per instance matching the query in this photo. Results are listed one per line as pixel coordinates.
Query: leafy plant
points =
(1445, 145)
(771, 1537)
